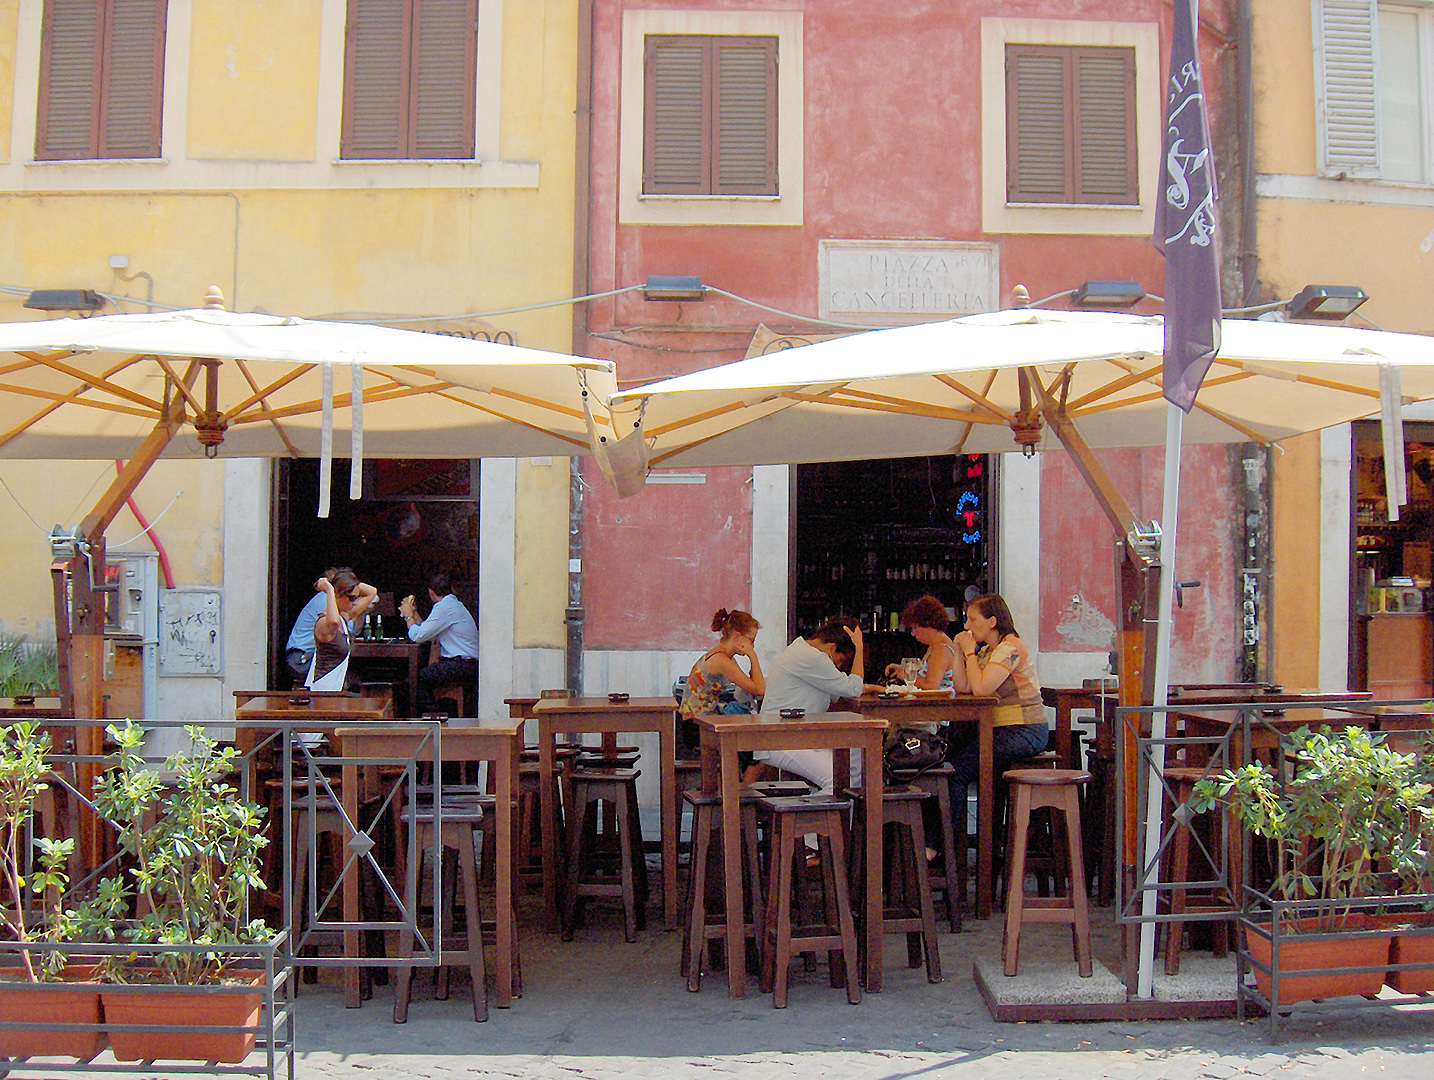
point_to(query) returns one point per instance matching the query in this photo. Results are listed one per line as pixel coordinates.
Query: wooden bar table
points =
(600, 715)
(254, 720)
(934, 707)
(723, 738)
(391, 649)
(497, 742)
(1066, 700)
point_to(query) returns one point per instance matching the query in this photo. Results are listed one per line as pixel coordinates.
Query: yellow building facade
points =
(1343, 113)
(257, 187)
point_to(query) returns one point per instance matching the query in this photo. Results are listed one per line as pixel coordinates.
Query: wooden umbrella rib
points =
(254, 385)
(960, 445)
(1114, 387)
(909, 408)
(268, 391)
(513, 419)
(980, 399)
(99, 382)
(1156, 395)
(341, 401)
(695, 418)
(1249, 433)
(499, 391)
(69, 398)
(72, 399)
(183, 386)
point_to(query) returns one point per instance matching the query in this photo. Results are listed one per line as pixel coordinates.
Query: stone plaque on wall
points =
(880, 282)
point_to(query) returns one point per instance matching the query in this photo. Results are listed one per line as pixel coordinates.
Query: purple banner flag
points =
(1185, 222)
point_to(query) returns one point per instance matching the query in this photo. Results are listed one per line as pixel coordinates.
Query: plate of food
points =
(938, 692)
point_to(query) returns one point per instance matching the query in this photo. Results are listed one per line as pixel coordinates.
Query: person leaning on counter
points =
(454, 634)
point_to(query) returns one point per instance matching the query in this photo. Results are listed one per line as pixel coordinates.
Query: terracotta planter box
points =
(22, 1001)
(1320, 951)
(1413, 943)
(199, 1006)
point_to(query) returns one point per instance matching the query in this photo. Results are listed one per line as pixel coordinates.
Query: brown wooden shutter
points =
(1105, 126)
(67, 124)
(376, 77)
(746, 107)
(1038, 93)
(676, 150)
(442, 86)
(1070, 124)
(133, 79)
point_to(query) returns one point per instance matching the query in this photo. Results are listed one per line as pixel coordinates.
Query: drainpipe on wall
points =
(1245, 77)
(582, 240)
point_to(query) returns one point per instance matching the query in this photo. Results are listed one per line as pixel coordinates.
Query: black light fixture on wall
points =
(65, 300)
(1107, 294)
(1328, 302)
(679, 287)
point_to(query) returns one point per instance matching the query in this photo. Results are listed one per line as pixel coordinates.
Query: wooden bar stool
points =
(949, 878)
(462, 821)
(1057, 789)
(906, 904)
(586, 877)
(1182, 780)
(792, 819)
(704, 918)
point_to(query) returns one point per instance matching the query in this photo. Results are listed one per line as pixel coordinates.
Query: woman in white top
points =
(346, 599)
(810, 674)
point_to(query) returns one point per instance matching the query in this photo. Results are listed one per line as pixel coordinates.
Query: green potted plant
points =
(194, 846)
(1352, 814)
(27, 669)
(43, 987)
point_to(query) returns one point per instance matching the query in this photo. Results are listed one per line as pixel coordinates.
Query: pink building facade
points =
(907, 174)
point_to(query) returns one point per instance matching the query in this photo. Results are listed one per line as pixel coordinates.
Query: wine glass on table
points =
(910, 671)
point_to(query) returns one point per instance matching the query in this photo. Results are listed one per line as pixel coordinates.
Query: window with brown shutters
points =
(1070, 125)
(710, 115)
(409, 75)
(101, 79)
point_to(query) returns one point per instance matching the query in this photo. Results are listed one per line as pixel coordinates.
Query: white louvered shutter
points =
(1346, 87)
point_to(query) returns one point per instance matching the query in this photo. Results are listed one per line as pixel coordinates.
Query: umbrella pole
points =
(78, 581)
(1155, 788)
(1139, 581)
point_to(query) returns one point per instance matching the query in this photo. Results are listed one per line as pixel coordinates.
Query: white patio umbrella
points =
(95, 388)
(212, 382)
(954, 386)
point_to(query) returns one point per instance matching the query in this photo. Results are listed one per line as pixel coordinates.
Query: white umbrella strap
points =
(356, 433)
(1391, 425)
(326, 438)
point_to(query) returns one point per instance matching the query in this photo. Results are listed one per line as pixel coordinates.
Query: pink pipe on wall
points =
(153, 536)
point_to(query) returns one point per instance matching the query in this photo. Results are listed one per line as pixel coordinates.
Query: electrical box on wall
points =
(132, 610)
(132, 634)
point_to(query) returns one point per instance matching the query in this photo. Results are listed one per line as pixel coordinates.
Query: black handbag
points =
(910, 751)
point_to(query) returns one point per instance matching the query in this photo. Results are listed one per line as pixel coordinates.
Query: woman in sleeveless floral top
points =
(715, 678)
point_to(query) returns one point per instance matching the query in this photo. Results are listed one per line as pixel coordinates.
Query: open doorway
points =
(871, 536)
(416, 518)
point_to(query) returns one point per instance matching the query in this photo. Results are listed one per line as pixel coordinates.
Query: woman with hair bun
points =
(714, 679)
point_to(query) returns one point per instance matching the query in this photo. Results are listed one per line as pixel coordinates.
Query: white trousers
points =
(813, 765)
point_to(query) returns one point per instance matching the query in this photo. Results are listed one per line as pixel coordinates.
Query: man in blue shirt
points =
(455, 642)
(299, 649)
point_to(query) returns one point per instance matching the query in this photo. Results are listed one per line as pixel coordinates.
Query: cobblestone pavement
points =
(597, 1008)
